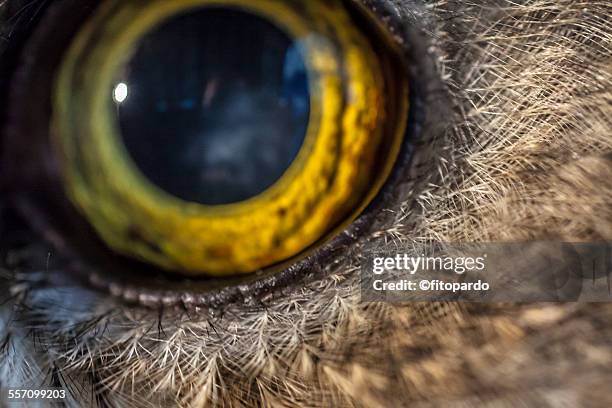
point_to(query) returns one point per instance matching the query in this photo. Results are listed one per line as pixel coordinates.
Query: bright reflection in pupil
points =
(218, 105)
(120, 93)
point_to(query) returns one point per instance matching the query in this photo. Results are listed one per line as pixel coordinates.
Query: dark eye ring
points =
(73, 233)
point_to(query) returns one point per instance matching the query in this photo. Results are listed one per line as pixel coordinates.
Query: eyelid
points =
(190, 293)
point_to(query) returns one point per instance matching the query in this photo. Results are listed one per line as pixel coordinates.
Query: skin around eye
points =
(186, 151)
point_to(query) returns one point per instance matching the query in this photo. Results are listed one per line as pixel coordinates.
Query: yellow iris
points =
(353, 137)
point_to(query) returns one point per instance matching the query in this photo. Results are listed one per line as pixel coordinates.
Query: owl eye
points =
(221, 137)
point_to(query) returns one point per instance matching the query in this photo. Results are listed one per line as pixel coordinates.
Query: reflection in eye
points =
(220, 138)
(219, 108)
(121, 92)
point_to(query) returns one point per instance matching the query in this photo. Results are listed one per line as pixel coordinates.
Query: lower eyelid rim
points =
(190, 293)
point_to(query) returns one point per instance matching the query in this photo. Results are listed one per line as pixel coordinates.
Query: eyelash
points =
(189, 293)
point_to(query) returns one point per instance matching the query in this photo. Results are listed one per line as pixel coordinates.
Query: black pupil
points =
(213, 105)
